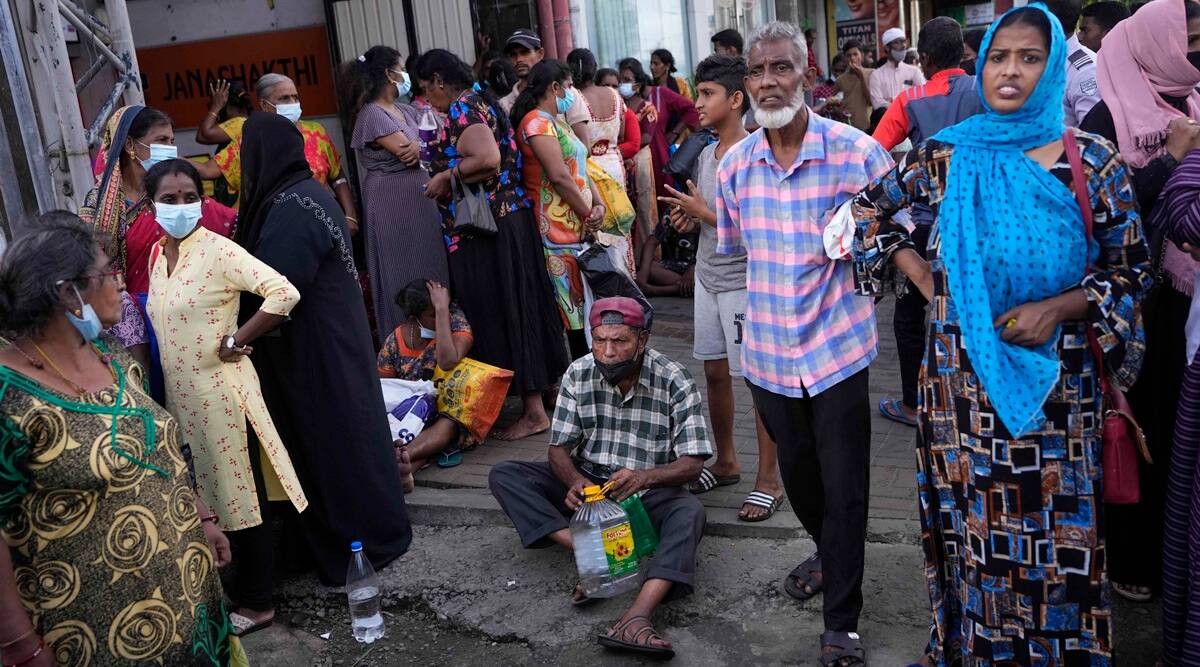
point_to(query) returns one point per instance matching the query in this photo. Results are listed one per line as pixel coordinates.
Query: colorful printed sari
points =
(560, 227)
(322, 155)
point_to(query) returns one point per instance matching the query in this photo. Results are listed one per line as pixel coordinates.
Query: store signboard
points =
(855, 19)
(177, 77)
(979, 15)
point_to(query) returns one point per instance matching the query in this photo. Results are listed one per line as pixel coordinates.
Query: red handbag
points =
(1122, 438)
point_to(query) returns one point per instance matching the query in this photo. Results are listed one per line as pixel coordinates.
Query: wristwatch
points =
(230, 343)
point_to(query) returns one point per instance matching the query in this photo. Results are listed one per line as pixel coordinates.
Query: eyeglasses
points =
(114, 275)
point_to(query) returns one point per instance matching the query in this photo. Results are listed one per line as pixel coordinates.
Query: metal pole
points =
(74, 158)
(122, 44)
(95, 39)
(82, 82)
(27, 188)
(94, 23)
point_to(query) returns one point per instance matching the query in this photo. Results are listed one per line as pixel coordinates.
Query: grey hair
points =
(776, 31)
(268, 81)
(33, 268)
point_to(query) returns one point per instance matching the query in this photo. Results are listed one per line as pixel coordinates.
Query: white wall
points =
(161, 23)
(702, 25)
(157, 23)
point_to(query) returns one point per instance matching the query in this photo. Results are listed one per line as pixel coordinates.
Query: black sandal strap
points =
(848, 645)
(810, 565)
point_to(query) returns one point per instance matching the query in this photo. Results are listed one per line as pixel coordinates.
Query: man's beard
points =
(777, 118)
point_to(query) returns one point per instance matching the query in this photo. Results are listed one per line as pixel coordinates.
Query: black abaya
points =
(320, 383)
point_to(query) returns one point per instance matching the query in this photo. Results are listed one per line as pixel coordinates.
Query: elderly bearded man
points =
(808, 338)
(628, 415)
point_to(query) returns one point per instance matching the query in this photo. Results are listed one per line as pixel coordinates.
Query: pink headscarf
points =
(1145, 55)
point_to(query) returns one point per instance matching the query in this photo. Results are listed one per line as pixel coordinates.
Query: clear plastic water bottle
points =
(604, 550)
(427, 134)
(363, 592)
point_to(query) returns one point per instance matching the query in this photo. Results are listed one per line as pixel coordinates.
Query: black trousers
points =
(254, 548)
(908, 323)
(824, 459)
(533, 498)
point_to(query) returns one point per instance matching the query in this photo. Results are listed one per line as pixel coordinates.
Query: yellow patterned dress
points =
(97, 511)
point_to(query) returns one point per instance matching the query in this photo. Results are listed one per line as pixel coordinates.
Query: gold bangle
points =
(23, 635)
(214, 114)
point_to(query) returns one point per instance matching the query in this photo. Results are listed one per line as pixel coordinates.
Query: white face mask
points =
(178, 220)
(899, 55)
(289, 111)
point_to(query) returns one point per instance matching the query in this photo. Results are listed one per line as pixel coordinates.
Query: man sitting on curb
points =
(628, 415)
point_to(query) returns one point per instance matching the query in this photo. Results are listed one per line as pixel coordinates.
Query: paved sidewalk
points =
(893, 508)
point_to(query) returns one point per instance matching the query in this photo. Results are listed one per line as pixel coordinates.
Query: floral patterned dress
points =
(98, 516)
(505, 191)
(561, 228)
(322, 156)
(1011, 530)
(398, 360)
(195, 307)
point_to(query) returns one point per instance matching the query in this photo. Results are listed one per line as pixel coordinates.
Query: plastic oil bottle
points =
(604, 550)
(363, 593)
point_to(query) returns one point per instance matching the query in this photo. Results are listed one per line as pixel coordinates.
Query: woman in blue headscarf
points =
(1008, 457)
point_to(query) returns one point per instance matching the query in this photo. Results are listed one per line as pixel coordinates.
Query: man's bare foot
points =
(726, 469)
(523, 428)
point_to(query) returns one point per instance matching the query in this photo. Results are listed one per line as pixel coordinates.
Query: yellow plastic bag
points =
(618, 210)
(472, 394)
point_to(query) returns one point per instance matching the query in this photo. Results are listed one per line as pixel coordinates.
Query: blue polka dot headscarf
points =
(1011, 234)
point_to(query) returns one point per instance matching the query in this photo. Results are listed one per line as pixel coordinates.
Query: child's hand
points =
(691, 203)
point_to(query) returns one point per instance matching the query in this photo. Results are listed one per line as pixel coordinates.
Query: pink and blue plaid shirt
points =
(806, 329)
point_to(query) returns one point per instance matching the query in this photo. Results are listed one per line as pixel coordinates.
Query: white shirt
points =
(1082, 90)
(890, 80)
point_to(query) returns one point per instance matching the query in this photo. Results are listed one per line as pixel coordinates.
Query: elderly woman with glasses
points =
(109, 557)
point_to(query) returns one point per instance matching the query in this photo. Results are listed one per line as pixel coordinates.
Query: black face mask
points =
(620, 370)
(1194, 59)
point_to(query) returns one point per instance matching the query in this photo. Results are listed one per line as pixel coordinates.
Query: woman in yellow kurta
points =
(196, 283)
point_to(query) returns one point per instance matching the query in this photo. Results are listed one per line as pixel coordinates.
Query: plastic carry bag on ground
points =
(409, 405)
(472, 394)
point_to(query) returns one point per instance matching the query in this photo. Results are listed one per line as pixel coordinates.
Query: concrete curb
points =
(428, 506)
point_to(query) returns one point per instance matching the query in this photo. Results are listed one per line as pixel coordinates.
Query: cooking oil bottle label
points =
(618, 547)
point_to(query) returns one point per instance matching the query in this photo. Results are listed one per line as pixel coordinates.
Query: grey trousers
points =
(534, 500)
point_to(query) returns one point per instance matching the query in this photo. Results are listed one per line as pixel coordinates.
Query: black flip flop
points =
(249, 629)
(608, 641)
(847, 645)
(708, 481)
(796, 581)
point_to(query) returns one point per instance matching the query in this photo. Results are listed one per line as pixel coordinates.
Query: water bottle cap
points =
(356, 546)
(592, 494)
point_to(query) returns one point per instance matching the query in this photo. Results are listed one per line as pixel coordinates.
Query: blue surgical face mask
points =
(88, 322)
(565, 103)
(404, 85)
(625, 89)
(289, 111)
(158, 153)
(178, 220)
(427, 334)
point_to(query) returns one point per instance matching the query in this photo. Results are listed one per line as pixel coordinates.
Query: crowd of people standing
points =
(174, 365)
